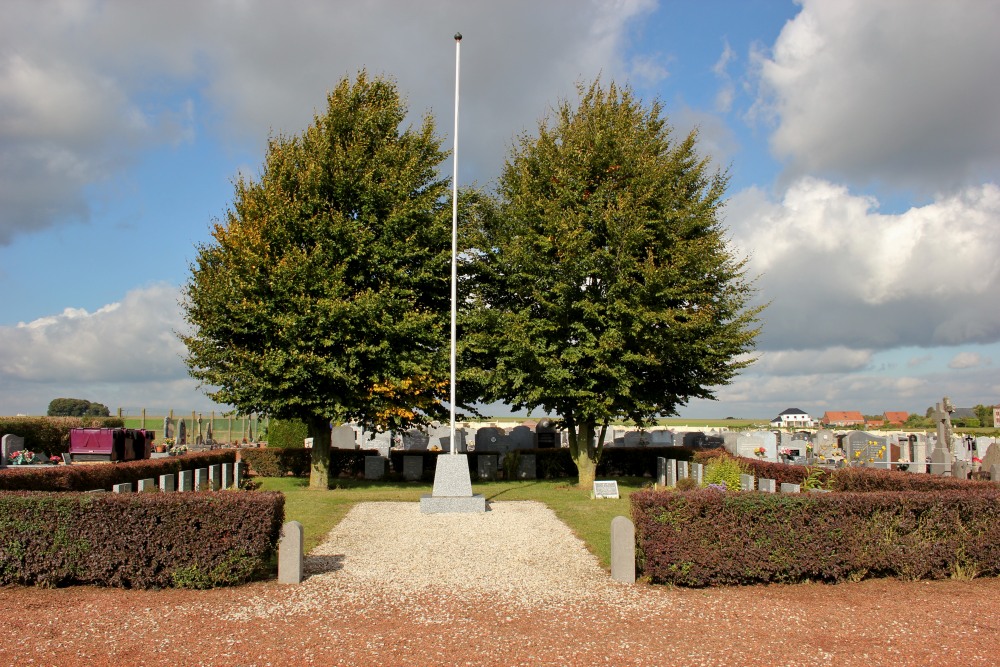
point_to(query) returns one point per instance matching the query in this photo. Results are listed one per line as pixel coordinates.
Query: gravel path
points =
(391, 586)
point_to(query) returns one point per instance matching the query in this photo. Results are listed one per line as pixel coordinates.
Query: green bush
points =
(50, 435)
(287, 433)
(724, 470)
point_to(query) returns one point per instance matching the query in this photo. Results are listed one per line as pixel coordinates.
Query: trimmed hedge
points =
(278, 462)
(137, 540)
(287, 433)
(94, 476)
(50, 435)
(710, 538)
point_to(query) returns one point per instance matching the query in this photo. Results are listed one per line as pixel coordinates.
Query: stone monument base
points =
(452, 488)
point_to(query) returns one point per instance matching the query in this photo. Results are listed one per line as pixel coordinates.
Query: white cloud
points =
(811, 362)
(82, 84)
(124, 354)
(727, 90)
(964, 360)
(897, 92)
(837, 272)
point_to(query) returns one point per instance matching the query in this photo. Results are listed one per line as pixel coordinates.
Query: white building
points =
(793, 418)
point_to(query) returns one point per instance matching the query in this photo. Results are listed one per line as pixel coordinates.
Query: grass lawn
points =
(319, 511)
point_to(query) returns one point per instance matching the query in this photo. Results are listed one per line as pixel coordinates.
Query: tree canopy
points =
(324, 294)
(600, 285)
(77, 407)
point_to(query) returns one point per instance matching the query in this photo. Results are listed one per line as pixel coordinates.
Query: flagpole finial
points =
(458, 37)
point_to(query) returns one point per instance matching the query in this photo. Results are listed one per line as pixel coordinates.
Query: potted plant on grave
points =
(23, 457)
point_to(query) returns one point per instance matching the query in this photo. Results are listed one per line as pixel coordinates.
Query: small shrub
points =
(724, 470)
(687, 484)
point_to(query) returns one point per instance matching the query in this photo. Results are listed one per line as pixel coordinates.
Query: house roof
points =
(843, 416)
(896, 417)
(793, 411)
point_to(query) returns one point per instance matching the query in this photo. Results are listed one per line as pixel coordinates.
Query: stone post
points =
(290, 559)
(623, 550)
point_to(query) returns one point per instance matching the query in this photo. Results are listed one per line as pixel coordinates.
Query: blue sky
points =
(861, 141)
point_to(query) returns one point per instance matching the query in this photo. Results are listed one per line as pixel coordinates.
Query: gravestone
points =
(181, 433)
(992, 457)
(766, 485)
(606, 489)
(239, 472)
(730, 441)
(167, 483)
(381, 442)
(983, 445)
(166, 427)
(147, 485)
(9, 444)
(290, 557)
(790, 488)
(342, 437)
(122, 488)
(375, 467)
(215, 477)
(521, 437)
(491, 439)
(415, 440)
(526, 466)
(440, 436)
(486, 465)
(623, 550)
(227, 475)
(413, 468)
(546, 435)
(960, 470)
(201, 479)
(940, 461)
(682, 470)
(661, 471)
(662, 438)
(698, 473)
(995, 472)
(671, 472)
(186, 480)
(636, 439)
(747, 482)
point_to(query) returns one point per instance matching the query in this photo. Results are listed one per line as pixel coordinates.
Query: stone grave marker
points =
(940, 461)
(636, 439)
(215, 477)
(682, 470)
(992, 457)
(995, 472)
(730, 442)
(147, 485)
(522, 437)
(290, 557)
(413, 468)
(415, 440)
(698, 473)
(126, 487)
(167, 483)
(486, 465)
(9, 444)
(746, 482)
(186, 480)
(227, 475)
(375, 467)
(239, 472)
(606, 489)
(766, 485)
(181, 433)
(661, 438)
(661, 471)
(623, 550)
(201, 479)
(491, 439)
(526, 466)
(342, 437)
(671, 472)
(960, 470)
(790, 488)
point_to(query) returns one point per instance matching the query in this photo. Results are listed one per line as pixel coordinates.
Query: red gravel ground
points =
(882, 622)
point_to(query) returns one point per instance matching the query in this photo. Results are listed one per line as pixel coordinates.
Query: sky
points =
(860, 138)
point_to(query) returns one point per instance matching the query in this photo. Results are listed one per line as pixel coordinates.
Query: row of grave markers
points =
(212, 478)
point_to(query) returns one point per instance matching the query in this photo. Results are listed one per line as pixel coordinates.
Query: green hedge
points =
(50, 435)
(94, 476)
(277, 462)
(287, 434)
(709, 538)
(137, 540)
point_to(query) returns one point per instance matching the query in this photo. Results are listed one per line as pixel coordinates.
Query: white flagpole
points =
(454, 244)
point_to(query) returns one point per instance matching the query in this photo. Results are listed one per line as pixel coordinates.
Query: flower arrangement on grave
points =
(55, 459)
(23, 457)
(434, 448)
(759, 452)
(176, 450)
(786, 452)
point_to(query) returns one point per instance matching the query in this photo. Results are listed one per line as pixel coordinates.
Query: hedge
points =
(94, 476)
(137, 540)
(278, 462)
(709, 538)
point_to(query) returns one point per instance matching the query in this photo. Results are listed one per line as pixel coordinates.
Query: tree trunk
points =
(319, 471)
(585, 454)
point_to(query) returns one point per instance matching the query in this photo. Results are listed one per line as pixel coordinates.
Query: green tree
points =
(76, 407)
(324, 294)
(600, 287)
(985, 414)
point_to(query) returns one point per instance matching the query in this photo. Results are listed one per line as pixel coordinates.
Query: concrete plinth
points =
(452, 488)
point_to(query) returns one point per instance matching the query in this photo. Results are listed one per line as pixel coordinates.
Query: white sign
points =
(308, 443)
(607, 489)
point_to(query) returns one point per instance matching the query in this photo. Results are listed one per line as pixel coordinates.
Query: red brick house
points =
(896, 418)
(842, 419)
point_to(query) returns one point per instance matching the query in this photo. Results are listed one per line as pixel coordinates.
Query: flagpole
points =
(454, 245)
